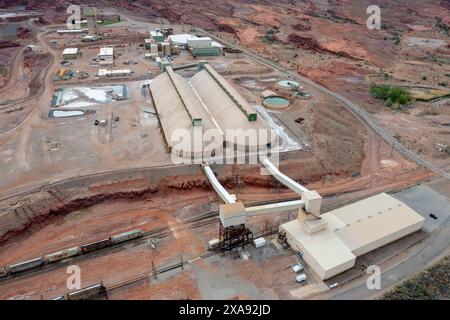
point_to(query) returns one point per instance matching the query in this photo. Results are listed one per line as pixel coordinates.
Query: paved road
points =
(355, 109)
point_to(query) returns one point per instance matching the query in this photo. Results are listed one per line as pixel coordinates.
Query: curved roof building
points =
(210, 107)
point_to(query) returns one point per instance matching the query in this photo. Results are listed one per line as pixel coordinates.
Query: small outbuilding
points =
(157, 36)
(71, 53)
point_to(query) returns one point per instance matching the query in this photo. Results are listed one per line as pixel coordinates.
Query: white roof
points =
(102, 72)
(155, 33)
(367, 222)
(354, 230)
(120, 71)
(181, 38)
(259, 241)
(216, 44)
(105, 72)
(70, 51)
(201, 38)
(70, 30)
(106, 51)
(327, 250)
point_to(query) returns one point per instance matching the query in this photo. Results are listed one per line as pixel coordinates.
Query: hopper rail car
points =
(67, 253)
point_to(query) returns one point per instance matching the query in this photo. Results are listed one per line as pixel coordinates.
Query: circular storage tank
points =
(288, 84)
(275, 102)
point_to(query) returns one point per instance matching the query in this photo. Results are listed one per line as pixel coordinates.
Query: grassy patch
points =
(428, 94)
(442, 25)
(433, 283)
(394, 97)
(104, 22)
(3, 70)
(428, 113)
(108, 22)
(268, 37)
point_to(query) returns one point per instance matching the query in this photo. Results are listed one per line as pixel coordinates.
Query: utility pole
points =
(238, 186)
(154, 271)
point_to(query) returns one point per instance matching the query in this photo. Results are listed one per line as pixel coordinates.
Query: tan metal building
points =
(352, 231)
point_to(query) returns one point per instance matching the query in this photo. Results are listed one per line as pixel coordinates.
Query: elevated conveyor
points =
(282, 178)
(274, 207)
(223, 194)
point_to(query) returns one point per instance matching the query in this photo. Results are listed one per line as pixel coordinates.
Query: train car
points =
(3, 272)
(89, 247)
(126, 236)
(86, 293)
(22, 266)
(58, 298)
(55, 256)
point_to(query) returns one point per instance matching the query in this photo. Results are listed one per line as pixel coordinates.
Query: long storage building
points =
(210, 103)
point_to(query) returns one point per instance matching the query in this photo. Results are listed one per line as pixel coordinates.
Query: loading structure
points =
(233, 214)
(328, 242)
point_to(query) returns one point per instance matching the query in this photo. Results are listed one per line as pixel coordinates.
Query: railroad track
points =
(46, 185)
(181, 264)
(160, 271)
(203, 220)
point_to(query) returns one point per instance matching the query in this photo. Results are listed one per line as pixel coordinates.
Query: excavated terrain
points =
(326, 41)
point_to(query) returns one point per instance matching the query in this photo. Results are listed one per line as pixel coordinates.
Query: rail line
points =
(265, 233)
(202, 220)
(205, 219)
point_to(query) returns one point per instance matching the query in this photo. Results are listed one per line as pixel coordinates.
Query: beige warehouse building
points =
(352, 231)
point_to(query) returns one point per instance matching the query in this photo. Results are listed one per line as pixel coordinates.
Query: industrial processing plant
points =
(174, 150)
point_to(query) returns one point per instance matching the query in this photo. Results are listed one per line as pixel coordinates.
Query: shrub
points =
(393, 96)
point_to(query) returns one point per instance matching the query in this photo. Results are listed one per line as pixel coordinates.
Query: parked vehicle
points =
(301, 278)
(213, 244)
(297, 268)
(260, 242)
